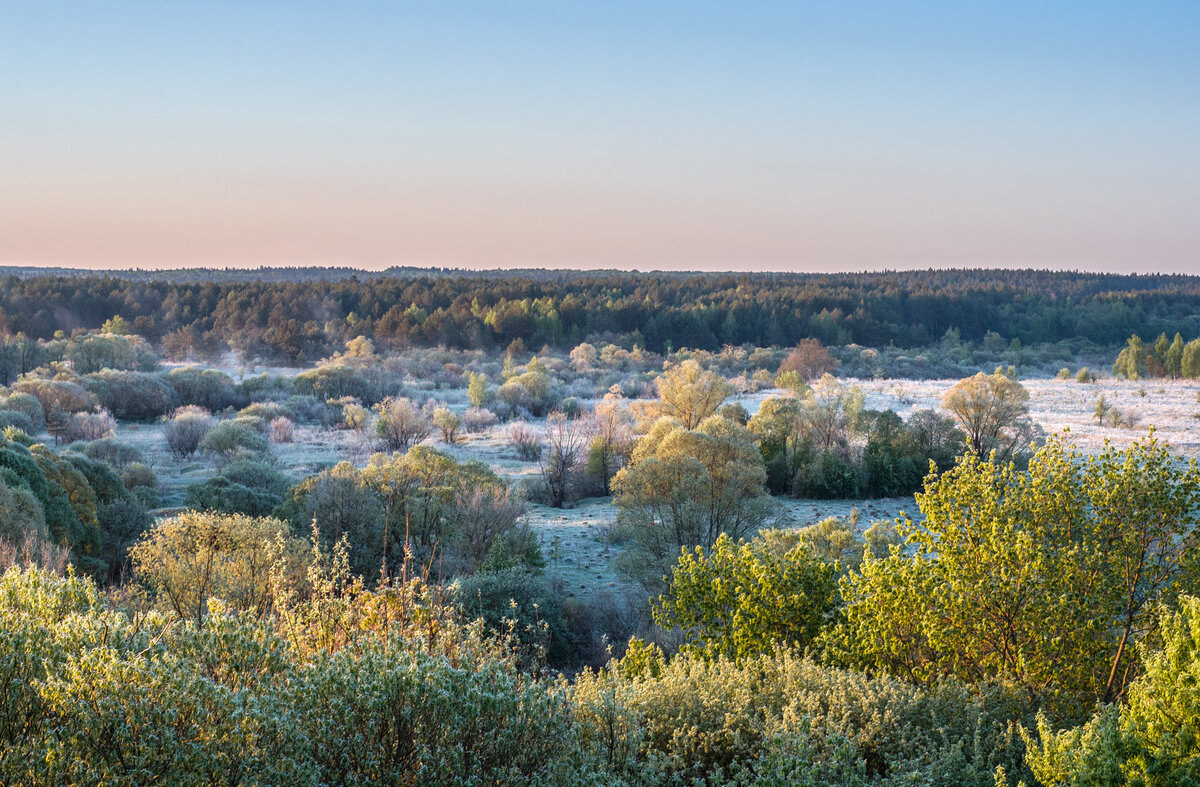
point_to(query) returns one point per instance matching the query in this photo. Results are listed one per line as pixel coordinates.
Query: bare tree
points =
(566, 439)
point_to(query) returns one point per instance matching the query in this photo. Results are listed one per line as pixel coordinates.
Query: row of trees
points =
(306, 320)
(1165, 358)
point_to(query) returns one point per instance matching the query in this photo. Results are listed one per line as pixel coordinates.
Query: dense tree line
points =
(304, 317)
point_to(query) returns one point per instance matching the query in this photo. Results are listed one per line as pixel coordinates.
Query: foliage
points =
(684, 488)
(192, 557)
(401, 423)
(243, 486)
(229, 440)
(690, 394)
(1046, 578)
(447, 422)
(186, 430)
(740, 600)
(993, 412)
(781, 719)
(208, 388)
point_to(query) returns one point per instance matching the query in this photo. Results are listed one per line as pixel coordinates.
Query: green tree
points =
(1131, 361)
(1152, 741)
(1189, 366)
(741, 600)
(1047, 578)
(1102, 411)
(477, 390)
(1173, 358)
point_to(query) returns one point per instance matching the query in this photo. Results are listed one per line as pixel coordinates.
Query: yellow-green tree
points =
(188, 559)
(685, 487)
(993, 411)
(689, 393)
(1047, 578)
(741, 600)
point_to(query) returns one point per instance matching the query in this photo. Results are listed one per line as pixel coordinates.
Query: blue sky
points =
(751, 135)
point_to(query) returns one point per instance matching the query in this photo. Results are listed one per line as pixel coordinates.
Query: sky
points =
(695, 135)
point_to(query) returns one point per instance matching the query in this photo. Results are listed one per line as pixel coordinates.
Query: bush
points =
(17, 420)
(526, 440)
(782, 719)
(282, 430)
(186, 430)
(60, 395)
(265, 387)
(112, 452)
(208, 388)
(521, 601)
(228, 440)
(28, 406)
(242, 487)
(478, 419)
(402, 423)
(89, 426)
(131, 396)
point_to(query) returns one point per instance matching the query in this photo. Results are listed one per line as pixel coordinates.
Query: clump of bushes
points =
(208, 388)
(131, 396)
(242, 487)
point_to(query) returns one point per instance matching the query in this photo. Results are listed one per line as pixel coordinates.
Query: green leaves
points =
(741, 600)
(1045, 577)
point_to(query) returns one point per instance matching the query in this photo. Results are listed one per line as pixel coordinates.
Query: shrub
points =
(60, 395)
(208, 388)
(478, 419)
(517, 599)
(526, 440)
(17, 420)
(781, 719)
(265, 387)
(138, 474)
(190, 558)
(242, 487)
(282, 430)
(112, 452)
(186, 431)
(132, 396)
(402, 423)
(228, 440)
(28, 406)
(89, 426)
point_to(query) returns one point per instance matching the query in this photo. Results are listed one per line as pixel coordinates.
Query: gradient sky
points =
(692, 135)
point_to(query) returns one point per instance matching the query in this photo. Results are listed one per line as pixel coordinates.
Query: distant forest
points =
(298, 315)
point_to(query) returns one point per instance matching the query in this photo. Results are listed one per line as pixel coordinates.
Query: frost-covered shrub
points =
(282, 430)
(186, 429)
(228, 440)
(89, 426)
(131, 396)
(526, 440)
(478, 419)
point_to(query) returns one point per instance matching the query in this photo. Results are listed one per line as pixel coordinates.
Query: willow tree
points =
(993, 412)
